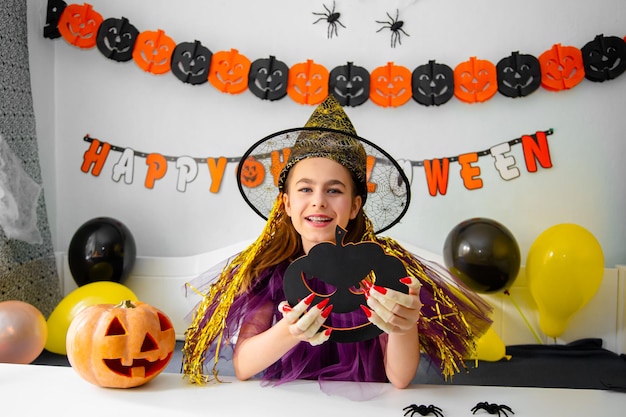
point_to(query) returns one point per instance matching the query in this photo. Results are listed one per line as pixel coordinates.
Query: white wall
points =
(78, 92)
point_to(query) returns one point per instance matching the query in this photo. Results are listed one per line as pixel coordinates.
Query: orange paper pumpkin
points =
(390, 85)
(120, 346)
(252, 173)
(79, 25)
(475, 80)
(153, 51)
(229, 71)
(562, 67)
(308, 82)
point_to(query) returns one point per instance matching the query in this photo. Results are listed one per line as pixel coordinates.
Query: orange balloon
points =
(23, 332)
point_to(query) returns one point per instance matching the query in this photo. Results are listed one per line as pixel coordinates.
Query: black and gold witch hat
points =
(328, 133)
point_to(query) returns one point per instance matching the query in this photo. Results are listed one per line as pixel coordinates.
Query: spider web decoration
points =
(388, 195)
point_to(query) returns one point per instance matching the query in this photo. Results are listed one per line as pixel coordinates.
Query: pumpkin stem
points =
(126, 304)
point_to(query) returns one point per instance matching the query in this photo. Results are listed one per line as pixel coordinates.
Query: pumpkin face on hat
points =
(120, 346)
(337, 272)
(604, 58)
(268, 78)
(191, 62)
(518, 75)
(116, 39)
(79, 25)
(561, 67)
(350, 84)
(433, 84)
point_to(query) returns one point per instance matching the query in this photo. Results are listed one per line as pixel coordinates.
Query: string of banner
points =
(390, 85)
(535, 152)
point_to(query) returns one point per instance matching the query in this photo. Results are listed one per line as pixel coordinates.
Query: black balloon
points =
(483, 254)
(102, 249)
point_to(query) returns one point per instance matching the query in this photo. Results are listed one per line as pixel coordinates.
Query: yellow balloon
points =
(100, 292)
(564, 267)
(490, 347)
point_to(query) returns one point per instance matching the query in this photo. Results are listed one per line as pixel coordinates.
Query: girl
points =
(324, 185)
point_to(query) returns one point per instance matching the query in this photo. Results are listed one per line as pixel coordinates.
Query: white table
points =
(40, 390)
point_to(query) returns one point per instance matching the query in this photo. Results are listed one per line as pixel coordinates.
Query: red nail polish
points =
(406, 280)
(286, 308)
(327, 311)
(309, 299)
(367, 311)
(323, 303)
(381, 290)
(328, 331)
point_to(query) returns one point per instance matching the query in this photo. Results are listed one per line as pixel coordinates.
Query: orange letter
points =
(436, 175)
(157, 167)
(536, 149)
(369, 166)
(469, 172)
(278, 164)
(96, 155)
(216, 169)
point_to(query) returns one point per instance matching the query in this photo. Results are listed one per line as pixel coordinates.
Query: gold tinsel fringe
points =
(204, 330)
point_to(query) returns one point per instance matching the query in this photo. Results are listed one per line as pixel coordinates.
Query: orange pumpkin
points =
(390, 85)
(252, 172)
(120, 346)
(79, 25)
(308, 82)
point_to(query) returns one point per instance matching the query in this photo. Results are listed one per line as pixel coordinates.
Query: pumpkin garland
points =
(476, 80)
(120, 346)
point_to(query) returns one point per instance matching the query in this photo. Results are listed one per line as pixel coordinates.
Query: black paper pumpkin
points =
(604, 58)
(53, 14)
(350, 84)
(433, 84)
(191, 62)
(268, 78)
(518, 75)
(116, 39)
(337, 272)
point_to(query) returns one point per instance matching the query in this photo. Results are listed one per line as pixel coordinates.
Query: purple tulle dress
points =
(357, 361)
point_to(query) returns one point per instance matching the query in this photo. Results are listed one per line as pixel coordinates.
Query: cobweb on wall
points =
(27, 270)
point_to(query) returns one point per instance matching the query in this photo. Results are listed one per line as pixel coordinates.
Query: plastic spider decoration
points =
(395, 26)
(422, 410)
(498, 409)
(332, 17)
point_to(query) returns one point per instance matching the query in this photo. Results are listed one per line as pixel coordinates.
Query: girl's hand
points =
(305, 325)
(393, 311)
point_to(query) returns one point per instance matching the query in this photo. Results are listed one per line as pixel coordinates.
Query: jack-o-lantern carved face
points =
(120, 346)
(308, 83)
(604, 58)
(475, 80)
(350, 84)
(79, 25)
(229, 71)
(433, 84)
(561, 67)
(252, 173)
(53, 14)
(191, 62)
(116, 39)
(268, 78)
(390, 85)
(153, 51)
(339, 272)
(518, 75)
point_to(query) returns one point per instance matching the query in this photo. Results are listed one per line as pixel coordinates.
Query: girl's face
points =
(319, 196)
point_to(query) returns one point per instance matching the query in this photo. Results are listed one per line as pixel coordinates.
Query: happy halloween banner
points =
(535, 150)
(390, 85)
